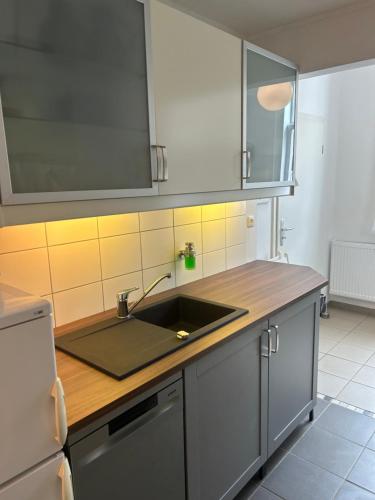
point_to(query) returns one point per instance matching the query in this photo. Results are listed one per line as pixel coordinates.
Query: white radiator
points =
(352, 272)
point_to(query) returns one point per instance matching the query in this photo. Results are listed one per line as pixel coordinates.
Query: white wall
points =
(336, 196)
(354, 212)
(310, 211)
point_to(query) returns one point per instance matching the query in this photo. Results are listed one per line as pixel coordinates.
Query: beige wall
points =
(80, 264)
(344, 36)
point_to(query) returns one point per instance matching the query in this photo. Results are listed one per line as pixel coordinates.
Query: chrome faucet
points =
(123, 309)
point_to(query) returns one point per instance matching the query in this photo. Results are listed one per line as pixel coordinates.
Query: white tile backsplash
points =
(213, 212)
(236, 230)
(157, 247)
(214, 262)
(27, 237)
(120, 255)
(156, 219)
(236, 256)
(235, 208)
(115, 225)
(187, 215)
(28, 270)
(213, 235)
(74, 264)
(69, 231)
(77, 303)
(81, 264)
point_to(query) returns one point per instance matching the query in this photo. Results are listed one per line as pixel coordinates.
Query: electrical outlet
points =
(250, 221)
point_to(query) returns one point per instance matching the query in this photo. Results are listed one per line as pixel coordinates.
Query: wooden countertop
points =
(262, 287)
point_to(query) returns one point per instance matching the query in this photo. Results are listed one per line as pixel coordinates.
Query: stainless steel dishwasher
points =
(139, 455)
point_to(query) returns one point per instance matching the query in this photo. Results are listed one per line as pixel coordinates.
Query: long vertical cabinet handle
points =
(247, 159)
(269, 344)
(165, 163)
(60, 412)
(161, 163)
(158, 162)
(65, 476)
(276, 328)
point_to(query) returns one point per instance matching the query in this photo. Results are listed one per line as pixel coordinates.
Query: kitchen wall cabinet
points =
(197, 86)
(269, 110)
(78, 119)
(226, 416)
(245, 398)
(145, 103)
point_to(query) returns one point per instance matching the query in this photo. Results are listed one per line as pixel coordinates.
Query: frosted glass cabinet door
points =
(269, 100)
(77, 116)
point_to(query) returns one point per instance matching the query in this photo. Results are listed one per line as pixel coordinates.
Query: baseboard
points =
(361, 306)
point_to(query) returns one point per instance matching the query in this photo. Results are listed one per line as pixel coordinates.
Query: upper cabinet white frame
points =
(246, 155)
(8, 197)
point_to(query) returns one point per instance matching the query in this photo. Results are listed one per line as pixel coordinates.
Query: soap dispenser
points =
(189, 255)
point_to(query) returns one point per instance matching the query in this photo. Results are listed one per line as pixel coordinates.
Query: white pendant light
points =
(276, 96)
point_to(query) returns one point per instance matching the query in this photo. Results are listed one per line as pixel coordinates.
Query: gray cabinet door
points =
(76, 109)
(293, 368)
(269, 108)
(226, 422)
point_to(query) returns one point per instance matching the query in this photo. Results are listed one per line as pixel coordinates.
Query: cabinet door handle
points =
(161, 163)
(156, 148)
(276, 328)
(269, 343)
(247, 158)
(165, 163)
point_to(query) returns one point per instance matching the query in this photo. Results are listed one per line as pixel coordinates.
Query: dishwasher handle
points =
(132, 414)
(147, 410)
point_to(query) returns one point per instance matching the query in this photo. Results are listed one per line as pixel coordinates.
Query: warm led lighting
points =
(275, 97)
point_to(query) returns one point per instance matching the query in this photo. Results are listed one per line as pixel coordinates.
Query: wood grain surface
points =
(261, 287)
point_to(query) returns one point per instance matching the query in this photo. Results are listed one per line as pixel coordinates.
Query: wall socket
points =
(250, 221)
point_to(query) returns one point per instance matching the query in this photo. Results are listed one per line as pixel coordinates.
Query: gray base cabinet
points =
(226, 417)
(292, 369)
(243, 399)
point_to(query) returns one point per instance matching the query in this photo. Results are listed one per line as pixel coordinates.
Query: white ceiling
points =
(247, 18)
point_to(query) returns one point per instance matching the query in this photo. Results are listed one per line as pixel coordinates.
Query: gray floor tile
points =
(363, 473)
(320, 407)
(249, 489)
(263, 494)
(347, 424)
(275, 459)
(296, 435)
(371, 443)
(350, 491)
(331, 452)
(296, 479)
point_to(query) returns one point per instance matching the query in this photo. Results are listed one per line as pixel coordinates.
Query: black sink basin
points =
(189, 314)
(122, 347)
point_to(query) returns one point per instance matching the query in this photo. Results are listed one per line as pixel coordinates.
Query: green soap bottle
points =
(190, 258)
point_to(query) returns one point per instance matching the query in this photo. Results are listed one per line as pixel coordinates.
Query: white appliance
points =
(33, 426)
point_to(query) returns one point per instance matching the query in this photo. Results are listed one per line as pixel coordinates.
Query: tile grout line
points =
(100, 262)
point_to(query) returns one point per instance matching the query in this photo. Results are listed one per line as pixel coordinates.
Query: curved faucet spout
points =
(147, 291)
